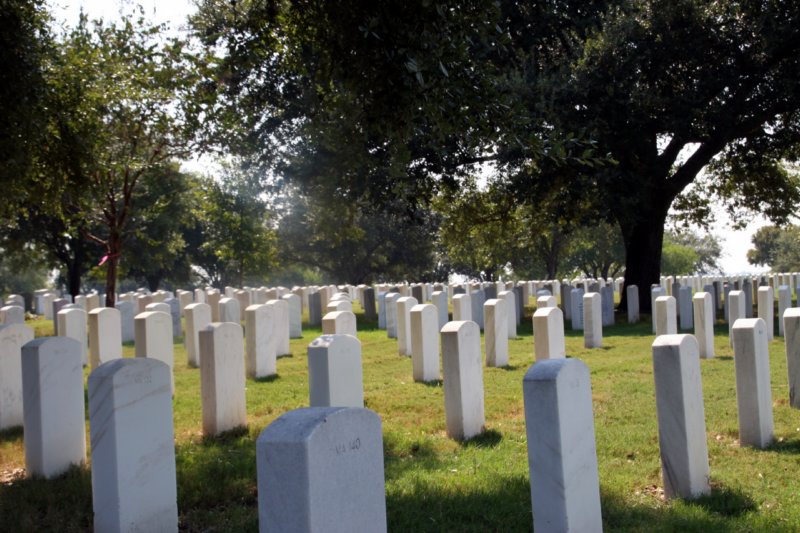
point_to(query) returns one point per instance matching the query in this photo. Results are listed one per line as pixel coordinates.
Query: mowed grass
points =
(436, 484)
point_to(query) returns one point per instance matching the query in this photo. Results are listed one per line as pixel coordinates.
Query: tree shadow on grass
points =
(11, 434)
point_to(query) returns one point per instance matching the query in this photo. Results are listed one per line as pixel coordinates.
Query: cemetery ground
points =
(434, 483)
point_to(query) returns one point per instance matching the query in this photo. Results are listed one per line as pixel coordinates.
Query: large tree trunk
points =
(114, 247)
(643, 234)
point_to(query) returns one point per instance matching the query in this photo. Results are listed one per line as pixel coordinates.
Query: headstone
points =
(126, 320)
(766, 309)
(463, 379)
(548, 334)
(369, 303)
(664, 311)
(562, 456)
(747, 289)
(105, 336)
(158, 306)
(391, 314)
(321, 469)
(404, 305)
(521, 303)
(424, 342)
(56, 306)
(490, 293)
(704, 323)
(54, 418)
(281, 326)
(632, 299)
(47, 301)
(545, 301)
(339, 305)
(16, 300)
(566, 301)
(439, 299)
(462, 307)
(222, 382)
(175, 314)
(655, 293)
(592, 320)
(261, 349)
(142, 301)
(607, 305)
(134, 485)
(213, 297)
(685, 308)
(154, 338)
(315, 309)
(681, 418)
(736, 310)
(753, 394)
(417, 293)
(12, 338)
(243, 297)
(496, 333)
(576, 299)
(185, 298)
(295, 315)
(382, 310)
(511, 310)
(229, 310)
(339, 323)
(477, 299)
(335, 375)
(791, 331)
(198, 317)
(784, 303)
(72, 324)
(12, 314)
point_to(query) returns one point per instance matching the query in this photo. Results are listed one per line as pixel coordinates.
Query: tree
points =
(117, 88)
(355, 242)
(634, 80)
(778, 248)
(598, 251)
(165, 208)
(231, 241)
(24, 45)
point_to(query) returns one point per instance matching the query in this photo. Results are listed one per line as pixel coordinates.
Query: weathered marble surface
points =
(736, 310)
(576, 303)
(666, 320)
(12, 314)
(791, 337)
(12, 338)
(592, 320)
(496, 332)
(295, 315)
(54, 417)
(197, 317)
(335, 375)
(463, 379)
(133, 446)
(404, 305)
(632, 295)
(281, 327)
(511, 311)
(105, 335)
(681, 416)
(548, 334)
(753, 393)
(439, 299)
(462, 307)
(222, 381)
(704, 314)
(562, 457)
(154, 339)
(340, 323)
(260, 342)
(766, 309)
(425, 342)
(321, 469)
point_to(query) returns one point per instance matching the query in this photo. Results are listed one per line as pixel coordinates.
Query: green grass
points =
(436, 484)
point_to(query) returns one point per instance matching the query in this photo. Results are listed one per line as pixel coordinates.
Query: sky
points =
(174, 12)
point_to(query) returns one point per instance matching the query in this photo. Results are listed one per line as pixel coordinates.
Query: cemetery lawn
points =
(436, 484)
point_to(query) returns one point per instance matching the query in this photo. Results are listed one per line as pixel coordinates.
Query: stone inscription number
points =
(350, 446)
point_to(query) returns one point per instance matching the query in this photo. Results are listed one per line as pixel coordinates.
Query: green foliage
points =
(686, 252)
(358, 242)
(231, 242)
(25, 43)
(776, 247)
(598, 250)
(22, 271)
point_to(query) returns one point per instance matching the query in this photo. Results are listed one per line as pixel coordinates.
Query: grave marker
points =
(222, 381)
(753, 394)
(335, 375)
(463, 379)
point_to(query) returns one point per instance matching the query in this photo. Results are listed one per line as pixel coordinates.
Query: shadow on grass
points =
(488, 439)
(724, 358)
(226, 437)
(267, 379)
(60, 504)
(510, 368)
(785, 447)
(724, 501)
(436, 383)
(285, 356)
(11, 434)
